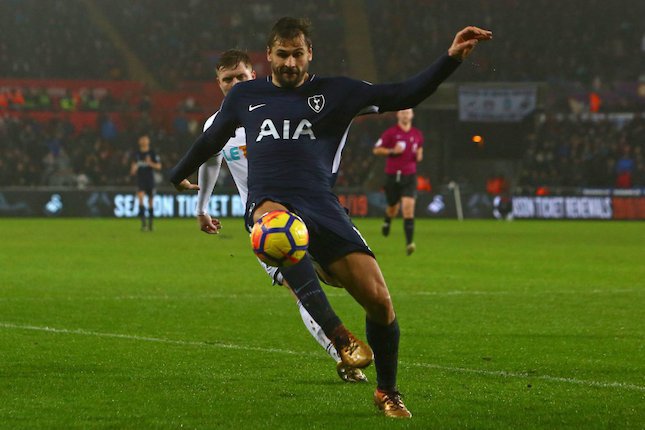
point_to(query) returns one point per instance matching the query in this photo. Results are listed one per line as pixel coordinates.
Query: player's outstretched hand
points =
(185, 185)
(209, 225)
(466, 40)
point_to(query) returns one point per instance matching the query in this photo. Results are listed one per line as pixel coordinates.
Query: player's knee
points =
(380, 308)
(381, 312)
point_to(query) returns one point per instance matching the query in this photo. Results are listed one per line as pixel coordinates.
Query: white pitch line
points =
(498, 373)
(147, 338)
(333, 293)
(506, 374)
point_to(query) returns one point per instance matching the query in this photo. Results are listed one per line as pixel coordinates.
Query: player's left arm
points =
(419, 154)
(154, 162)
(207, 177)
(209, 143)
(411, 92)
(384, 146)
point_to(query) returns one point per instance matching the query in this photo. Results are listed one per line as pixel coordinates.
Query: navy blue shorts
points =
(147, 187)
(332, 234)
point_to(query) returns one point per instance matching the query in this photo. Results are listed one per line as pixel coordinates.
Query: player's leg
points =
(302, 280)
(392, 197)
(324, 275)
(346, 373)
(142, 210)
(360, 274)
(408, 196)
(391, 211)
(407, 209)
(151, 208)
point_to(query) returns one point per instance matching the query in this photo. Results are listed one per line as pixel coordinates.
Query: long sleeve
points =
(207, 178)
(210, 142)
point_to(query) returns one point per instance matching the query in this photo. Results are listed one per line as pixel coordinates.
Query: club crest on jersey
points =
(316, 103)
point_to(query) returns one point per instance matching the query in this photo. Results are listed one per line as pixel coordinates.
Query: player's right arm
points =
(209, 143)
(386, 146)
(134, 166)
(207, 178)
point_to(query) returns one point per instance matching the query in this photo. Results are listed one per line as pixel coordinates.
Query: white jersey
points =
(234, 153)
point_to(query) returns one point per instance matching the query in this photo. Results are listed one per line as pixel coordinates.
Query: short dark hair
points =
(231, 58)
(288, 28)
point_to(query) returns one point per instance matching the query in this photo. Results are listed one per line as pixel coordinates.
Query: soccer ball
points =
(280, 238)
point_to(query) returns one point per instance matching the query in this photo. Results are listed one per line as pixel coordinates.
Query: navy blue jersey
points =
(145, 173)
(295, 136)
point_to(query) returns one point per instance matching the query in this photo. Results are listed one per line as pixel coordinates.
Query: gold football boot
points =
(409, 249)
(354, 352)
(350, 374)
(391, 404)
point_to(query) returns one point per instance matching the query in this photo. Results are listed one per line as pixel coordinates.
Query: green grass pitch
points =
(503, 325)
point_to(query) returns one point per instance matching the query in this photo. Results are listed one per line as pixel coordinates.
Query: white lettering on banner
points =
(218, 205)
(585, 207)
(549, 207)
(562, 207)
(125, 206)
(181, 205)
(237, 208)
(164, 206)
(523, 207)
(186, 205)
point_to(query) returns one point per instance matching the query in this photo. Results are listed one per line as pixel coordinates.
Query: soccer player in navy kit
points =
(402, 144)
(144, 162)
(232, 68)
(296, 126)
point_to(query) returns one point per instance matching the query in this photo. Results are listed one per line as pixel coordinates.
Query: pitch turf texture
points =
(503, 325)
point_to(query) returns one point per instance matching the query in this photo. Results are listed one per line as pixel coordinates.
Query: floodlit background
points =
(513, 325)
(553, 106)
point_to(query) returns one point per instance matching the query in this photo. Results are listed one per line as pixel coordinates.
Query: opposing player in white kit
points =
(235, 66)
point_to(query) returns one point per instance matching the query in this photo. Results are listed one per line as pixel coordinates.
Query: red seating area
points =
(81, 101)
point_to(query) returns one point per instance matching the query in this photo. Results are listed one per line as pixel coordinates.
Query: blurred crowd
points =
(175, 40)
(181, 39)
(48, 100)
(575, 153)
(54, 39)
(55, 154)
(587, 64)
(534, 40)
(178, 40)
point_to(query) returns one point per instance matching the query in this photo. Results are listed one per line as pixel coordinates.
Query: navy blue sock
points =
(151, 216)
(408, 227)
(142, 215)
(384, 341)
(303, 281)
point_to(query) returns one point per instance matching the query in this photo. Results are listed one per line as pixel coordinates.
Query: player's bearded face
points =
(289, 61)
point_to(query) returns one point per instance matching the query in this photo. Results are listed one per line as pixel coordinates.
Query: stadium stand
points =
(597, 154)
(524, 49)
(182, 39)
(70, 108)
(66, 44)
